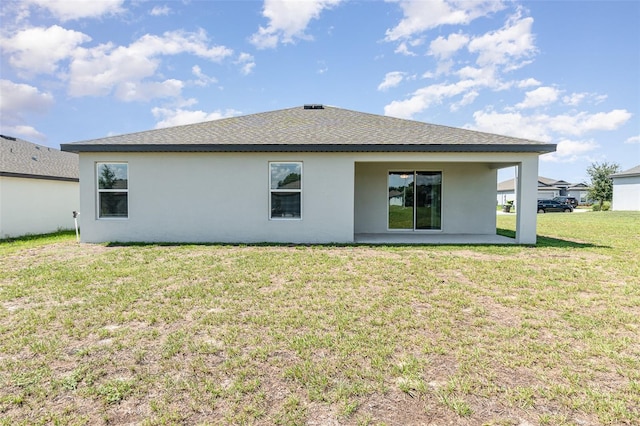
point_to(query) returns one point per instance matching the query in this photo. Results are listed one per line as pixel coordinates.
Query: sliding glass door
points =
(415, 200)
(428, 200)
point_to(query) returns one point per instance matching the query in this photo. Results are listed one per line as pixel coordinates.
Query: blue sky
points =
(564, 72)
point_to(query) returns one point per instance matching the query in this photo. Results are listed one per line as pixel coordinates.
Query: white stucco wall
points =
(220, 197)
(224, 197)
(36, 206)
(626, 193)
(468, 194)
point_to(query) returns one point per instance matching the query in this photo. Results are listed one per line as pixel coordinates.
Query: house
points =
(547, 189)
(309, 174)
(39, 188)
(580, 191)
(626, 189)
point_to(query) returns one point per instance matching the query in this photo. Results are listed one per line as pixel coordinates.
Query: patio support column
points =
(527, 198)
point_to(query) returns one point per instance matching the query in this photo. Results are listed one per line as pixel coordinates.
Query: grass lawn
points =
(355, 335)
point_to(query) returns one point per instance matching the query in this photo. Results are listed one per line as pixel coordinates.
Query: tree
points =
(601, 186)
(290, 178)
(107, 179)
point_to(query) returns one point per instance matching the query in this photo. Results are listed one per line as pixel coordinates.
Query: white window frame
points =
(272, 190)
(99, 190)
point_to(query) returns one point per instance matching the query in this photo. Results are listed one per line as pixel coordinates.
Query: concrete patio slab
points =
(418, 238)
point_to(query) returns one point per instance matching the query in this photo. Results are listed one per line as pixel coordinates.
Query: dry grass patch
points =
(195, 334)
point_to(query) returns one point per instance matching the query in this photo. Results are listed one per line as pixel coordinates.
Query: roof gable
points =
(320, 128)
(580, 185)
(19, 158)
(544, 183)
(634, 171)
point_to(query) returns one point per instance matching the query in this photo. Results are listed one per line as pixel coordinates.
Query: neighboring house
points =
(579, 191)
(547, 189)
(309, 174)
(395, 198)
(39, 188)
(626, 189)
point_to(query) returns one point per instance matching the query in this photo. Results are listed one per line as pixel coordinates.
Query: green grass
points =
(222, 334)
(400, 217)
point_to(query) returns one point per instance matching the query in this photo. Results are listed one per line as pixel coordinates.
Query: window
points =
(415, 200)
(113, 190)
(285, 190)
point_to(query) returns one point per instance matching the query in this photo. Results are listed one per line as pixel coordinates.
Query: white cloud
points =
(160, 11)
(288, 20)
(403, 49)
(576, 99)
(544, 127)
(203, 79)
(127, 71)
(246, 62)
(66, 10)
(467, 99)
(391, 79)
(39, 50)
(445, 47)
(425, 97)
(22, 97)
(633, 139)
(26, 132)
(507, 45)
(539, 97)
(177, 117)
(14, 14)
(496, 52)
(482, 77)
(514, 124)
(420, 15)
(530, 82)
(17, 101)
(177, 42)
(100, 70)
(583, 122)
(145, 91)
(568, 151)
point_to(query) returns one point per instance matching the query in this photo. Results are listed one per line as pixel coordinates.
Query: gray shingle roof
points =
(328, 129)
(543, 183)
(19, 158)
(634, 171)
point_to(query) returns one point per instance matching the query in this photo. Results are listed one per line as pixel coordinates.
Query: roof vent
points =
(313, 106)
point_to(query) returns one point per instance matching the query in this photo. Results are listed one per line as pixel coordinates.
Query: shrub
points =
(606, 206)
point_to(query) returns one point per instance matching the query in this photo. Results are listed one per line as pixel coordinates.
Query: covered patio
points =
(440, 198)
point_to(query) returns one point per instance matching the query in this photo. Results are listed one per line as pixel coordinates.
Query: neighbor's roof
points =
(634, 171)
(19, 158)
(544, 183)
(312, 128)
